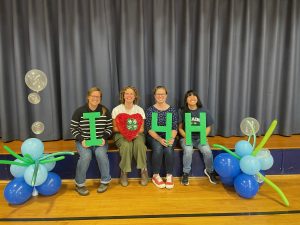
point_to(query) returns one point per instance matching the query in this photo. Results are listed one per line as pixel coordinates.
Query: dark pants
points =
(158, 151)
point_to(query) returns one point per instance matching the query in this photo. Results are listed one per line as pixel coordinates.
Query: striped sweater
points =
(80, 127)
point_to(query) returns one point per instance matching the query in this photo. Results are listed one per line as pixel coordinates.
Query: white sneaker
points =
(158, 182)
(169, 182)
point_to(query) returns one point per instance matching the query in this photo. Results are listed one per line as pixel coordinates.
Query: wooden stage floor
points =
(199, 203)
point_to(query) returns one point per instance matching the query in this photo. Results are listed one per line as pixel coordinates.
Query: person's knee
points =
(205, 150)
(86, 157)
(139, 142)
(101, 153)
(168, 151)
(207, 154)
(188, 150)
(126, 146)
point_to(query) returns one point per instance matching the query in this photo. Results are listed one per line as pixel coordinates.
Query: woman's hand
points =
(83, 144)
(103, 142)
(171, 141)
(163, 142)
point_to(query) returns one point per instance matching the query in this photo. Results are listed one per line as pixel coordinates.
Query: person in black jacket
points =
(80, 129)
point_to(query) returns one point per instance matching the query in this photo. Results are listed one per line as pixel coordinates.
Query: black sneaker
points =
(211, 176)
(185, 179)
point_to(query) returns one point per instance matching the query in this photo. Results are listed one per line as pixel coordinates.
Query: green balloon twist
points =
(227, 150)
(36, 169)
(275, 187)
(55, 154)
(265, 138)
(25, 160)
(44, 161)
(13, 163)
(27, 156)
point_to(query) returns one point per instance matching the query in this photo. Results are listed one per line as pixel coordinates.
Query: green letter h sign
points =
(189, 128)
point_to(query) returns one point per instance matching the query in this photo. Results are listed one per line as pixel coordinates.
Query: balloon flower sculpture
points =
(31, 172)
(244, 168)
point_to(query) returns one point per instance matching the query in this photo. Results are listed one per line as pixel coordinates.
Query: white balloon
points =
(36, 80)
(34, 98)
(37, 127)
(258, 179)
(247, 124)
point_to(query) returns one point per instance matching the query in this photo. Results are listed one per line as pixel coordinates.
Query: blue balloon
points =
(226, 165)
(17, 191)
(243, 148)
(49, 166)
(228, 181)
(41, 175)
(250, 165)
(34, 147)
(245, 185)
(17, 171)
(51, 185)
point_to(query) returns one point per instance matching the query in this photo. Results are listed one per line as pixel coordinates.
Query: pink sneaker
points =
(158, 182)
(169, 182)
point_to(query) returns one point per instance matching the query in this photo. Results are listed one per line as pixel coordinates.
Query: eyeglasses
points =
(93, 96)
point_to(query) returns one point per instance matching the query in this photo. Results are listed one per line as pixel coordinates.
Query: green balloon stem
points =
(55, 154)
(227, 150)
(52, 160)
(36, 169)
(265, 138)
(16, 155)
(27, 156)
(13, 163)
(275, 187)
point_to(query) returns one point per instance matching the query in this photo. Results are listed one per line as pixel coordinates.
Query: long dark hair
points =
(190, 93)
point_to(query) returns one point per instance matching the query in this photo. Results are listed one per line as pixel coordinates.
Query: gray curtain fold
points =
(242, 57)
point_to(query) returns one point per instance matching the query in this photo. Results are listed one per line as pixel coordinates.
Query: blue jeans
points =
(158, 151)
(188, 155)
(85, 157)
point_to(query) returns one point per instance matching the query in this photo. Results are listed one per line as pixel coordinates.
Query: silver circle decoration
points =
(37, 127)
(34, 98)
(36, 80)
(247, 124)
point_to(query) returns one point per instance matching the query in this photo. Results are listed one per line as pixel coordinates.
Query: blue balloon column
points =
(32, 172)
(244, 168)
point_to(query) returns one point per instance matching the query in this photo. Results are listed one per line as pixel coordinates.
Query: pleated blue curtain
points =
(240, 56)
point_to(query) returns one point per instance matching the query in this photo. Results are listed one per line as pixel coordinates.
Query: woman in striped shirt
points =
(81, 128)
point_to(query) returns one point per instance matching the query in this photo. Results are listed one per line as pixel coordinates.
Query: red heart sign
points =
(129, 125)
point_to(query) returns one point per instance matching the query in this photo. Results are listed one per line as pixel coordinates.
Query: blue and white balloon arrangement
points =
(244, 168)
(32, 172)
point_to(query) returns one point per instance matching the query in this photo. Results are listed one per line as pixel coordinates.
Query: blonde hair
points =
(122, 92)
